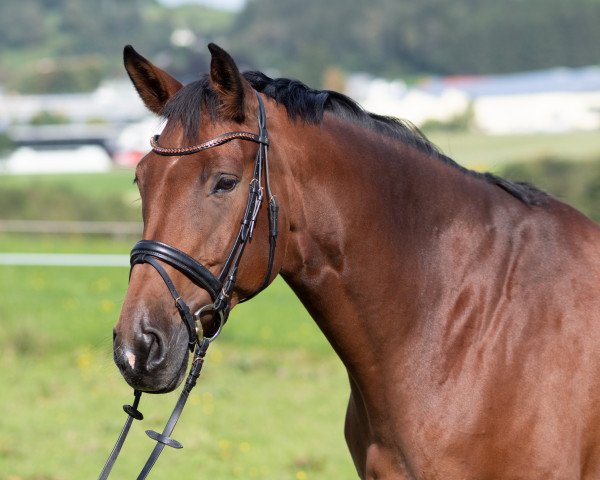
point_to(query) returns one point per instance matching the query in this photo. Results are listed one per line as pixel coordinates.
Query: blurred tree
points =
(6, 144)
(577, 183)
(302, 39)
(49, 118)
(22, 23)
(78, 74)
(70, 45)
(388, 37)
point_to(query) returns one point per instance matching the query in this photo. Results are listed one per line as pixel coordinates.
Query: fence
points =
(115, 229)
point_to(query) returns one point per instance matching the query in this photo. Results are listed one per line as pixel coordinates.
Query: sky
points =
(222, 4)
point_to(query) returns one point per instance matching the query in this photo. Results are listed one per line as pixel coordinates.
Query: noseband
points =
(219, 288)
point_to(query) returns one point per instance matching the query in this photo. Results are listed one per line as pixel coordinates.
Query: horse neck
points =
(364, 210)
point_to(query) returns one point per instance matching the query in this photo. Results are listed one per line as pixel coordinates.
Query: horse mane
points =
(309, 105)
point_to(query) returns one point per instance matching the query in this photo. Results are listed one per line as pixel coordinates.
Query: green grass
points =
(487, 152)
(95, 185)
(254, 414)
(86, 197)
(270, 403)
(25, 243)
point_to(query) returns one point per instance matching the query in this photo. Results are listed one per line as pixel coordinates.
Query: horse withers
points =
(466, 308)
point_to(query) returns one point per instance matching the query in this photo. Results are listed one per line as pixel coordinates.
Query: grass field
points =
(270, 403)
(490, 153)
(119, 182)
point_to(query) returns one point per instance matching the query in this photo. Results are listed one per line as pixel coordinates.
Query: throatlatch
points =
(219, 288)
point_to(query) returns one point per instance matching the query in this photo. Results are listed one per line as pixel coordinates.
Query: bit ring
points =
(201, 311)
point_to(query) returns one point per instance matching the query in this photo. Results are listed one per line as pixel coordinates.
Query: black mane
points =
(309, 105)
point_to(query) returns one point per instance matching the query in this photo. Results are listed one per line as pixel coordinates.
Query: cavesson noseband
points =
(219, 288)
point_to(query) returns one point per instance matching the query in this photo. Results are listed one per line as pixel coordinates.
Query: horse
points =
(465, 307)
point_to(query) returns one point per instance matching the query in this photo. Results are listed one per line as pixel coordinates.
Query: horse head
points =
(193, 199)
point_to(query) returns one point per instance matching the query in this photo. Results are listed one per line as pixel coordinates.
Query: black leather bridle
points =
(219, 288)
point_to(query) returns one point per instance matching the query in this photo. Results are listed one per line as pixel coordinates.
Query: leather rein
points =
(218, 287)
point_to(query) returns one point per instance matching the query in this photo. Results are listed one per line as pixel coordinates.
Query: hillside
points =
(413, 37)
(70, 45)
(67, 45)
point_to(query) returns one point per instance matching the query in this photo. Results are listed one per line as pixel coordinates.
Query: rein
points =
(219, 288)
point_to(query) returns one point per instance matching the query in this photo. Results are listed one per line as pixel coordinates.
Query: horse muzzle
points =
(151, 359)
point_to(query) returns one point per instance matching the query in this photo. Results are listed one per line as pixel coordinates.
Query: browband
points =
(215, 142)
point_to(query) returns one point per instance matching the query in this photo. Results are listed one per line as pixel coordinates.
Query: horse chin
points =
(173, 384)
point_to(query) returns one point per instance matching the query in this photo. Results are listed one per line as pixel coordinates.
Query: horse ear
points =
(228, 83)
(155, 86)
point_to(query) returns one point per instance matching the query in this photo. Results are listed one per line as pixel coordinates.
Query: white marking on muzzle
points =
(130, 359)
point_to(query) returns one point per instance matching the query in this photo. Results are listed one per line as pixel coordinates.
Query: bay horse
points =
(465, 307)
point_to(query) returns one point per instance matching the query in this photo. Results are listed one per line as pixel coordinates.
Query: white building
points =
(551, 101)
(395, 99)
(113, 101)
(555, 100)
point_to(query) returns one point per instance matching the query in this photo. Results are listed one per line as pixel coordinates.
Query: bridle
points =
(219, 288)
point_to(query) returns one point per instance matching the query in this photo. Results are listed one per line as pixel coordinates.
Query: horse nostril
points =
(155, 348)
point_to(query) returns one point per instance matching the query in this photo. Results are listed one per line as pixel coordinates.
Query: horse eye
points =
(225, 184)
